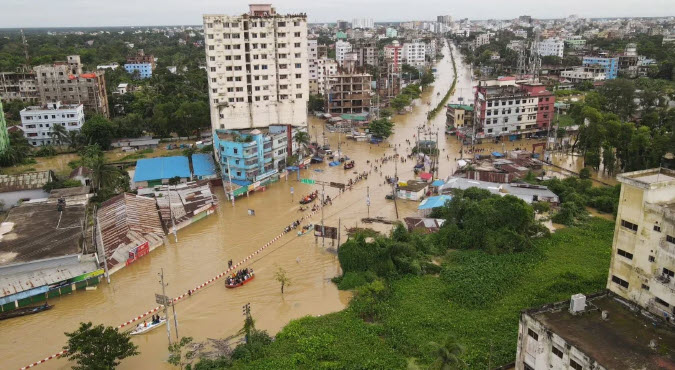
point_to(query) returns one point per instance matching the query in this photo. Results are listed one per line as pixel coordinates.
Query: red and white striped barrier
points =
(177, 299)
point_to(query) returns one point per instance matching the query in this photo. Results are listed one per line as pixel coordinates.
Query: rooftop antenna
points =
(535, 60)
(25, 47)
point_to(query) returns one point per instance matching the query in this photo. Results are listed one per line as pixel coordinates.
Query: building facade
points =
(65, 82)
(312, 57)
(414, 53)
(363, 23)
(257, 69)
(643, 260)
(590, 73)
(393, 54)
(611, 65)
(506, 108)
(325, 68)
(551, 47)
(341, 49)
(458, 116)
(38, 121)
(349, 93)
(19, 86)
(140, 70)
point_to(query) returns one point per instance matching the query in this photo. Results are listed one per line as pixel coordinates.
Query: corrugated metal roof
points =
(162, 168)
(184, 201)
(434, 202)
(203, 165)
(127, 221)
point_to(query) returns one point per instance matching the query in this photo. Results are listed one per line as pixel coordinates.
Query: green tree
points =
(448, 355)
(400, 101)
(98, 347)
(302, 139)
(382, 128)
(620, 97)
(179, 353)
(59, 134)
(316, 103)
(17, 152)
(99, 130)
(585, 173)
(283, 279)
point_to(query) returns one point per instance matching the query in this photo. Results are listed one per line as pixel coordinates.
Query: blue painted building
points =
(250, 155)
(203, 167)
(611, 65)
(144, 69)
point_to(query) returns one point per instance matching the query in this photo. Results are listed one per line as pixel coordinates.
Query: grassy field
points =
(477, 298)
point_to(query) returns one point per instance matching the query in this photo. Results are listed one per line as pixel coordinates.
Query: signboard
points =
(331, 232)
(163, 300)
(138, 252)
(307, 181)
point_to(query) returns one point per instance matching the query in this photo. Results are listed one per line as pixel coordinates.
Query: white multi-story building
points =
(482, 39)
(520, 33)
(413, 53)
(431, 49)
(312, 56)
(257, 68)
(324, 69)
(38, 121)
(342, 48)
(364, 23)
(551, 47)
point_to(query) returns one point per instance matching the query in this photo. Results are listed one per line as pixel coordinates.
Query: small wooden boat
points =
(309, 199)
(141, 329)
(349, 165)
(306, 229)
(25, 311)
(232, 284)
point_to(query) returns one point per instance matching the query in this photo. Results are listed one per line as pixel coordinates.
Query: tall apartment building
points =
(257, 68)
(551, 47)
(630, 326)
(482, 39)
(363, 23)
(611, 65)
(325, 68)
(20, 85)
(312, 58)
(444, 19)
(414, 53)
(393, 54)
(643, 260)
(341, 49)
(38, 121)
(4, 136)
(65, 82)
(349, 93)
(503, 108)
(366, 52)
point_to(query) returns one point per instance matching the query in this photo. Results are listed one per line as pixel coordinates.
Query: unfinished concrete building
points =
(349, 93)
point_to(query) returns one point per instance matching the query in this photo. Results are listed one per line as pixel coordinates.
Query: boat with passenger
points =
(145, 327)
(239, 278)
(25, 311)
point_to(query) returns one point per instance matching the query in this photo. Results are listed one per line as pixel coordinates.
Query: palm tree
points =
(59, 134)
(302, 139)
(74, 139)
(447, 355)
(102, 174)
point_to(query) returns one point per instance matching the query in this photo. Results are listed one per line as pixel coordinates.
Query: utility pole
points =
(393, 184)
(173, 220)
(323, 204)
(338, 234)
(246, 310)
(166, 311)
(368, 199)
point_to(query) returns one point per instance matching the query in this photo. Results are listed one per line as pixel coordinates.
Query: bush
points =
(352, 280)
(541, 207)
(585, 173)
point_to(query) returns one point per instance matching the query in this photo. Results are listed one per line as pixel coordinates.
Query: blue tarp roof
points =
(202, 165)
(438, 183)
(497, 154)
(161, 168)
(434, 202)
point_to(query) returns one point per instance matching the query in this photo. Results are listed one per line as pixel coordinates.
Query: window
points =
(631, 226)
(623, 253)
(264, 66)
(668, 272)
(297, 44)
(651, 259)
(296, 34)
(299, 96)
(556, 351)
(645, 287)
(575, 365)
(661, 302)
(619, 281)
(670, 239)
(213, 69)
(281, 24)
(533, 334)
(298, 65)
(210, 37)
(657, 228)
(527, 367)
(296, 23)
(298, 75)
(211, 47)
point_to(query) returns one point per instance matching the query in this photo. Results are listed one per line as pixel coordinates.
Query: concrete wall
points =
(12, 198)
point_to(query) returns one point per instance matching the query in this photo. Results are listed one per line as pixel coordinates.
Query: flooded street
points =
(204, 248)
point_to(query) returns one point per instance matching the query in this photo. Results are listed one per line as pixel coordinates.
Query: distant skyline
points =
(96, 13)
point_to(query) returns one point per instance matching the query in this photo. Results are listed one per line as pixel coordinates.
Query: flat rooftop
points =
(649, 179)
(620, 342)
(40, 231)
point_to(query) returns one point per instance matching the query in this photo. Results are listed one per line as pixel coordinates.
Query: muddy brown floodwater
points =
(203, 249)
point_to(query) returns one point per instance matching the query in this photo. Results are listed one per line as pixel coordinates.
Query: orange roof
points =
(88, 75)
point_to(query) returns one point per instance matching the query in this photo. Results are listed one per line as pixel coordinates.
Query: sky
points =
(92, 13)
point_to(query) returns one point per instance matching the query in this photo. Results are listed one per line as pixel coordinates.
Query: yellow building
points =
(643, 252)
